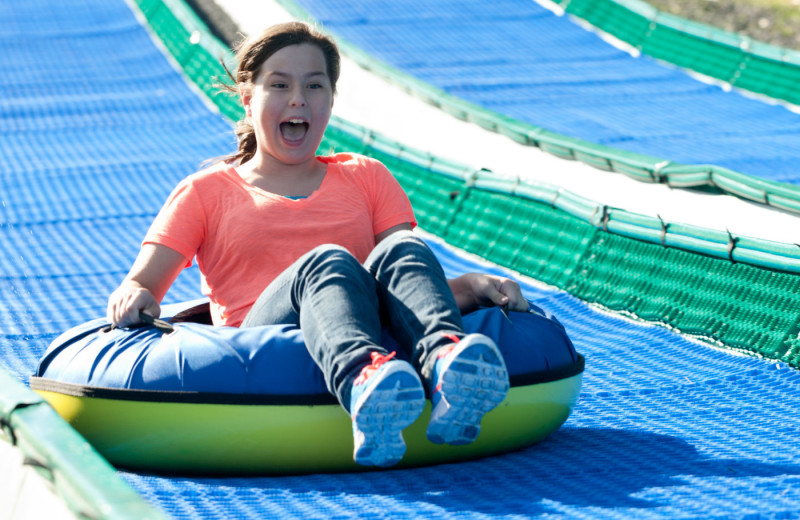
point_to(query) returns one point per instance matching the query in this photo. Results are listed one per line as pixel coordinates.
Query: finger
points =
(516, 301)
(153, 309)
(111, 313)
(520, 305)
(496, 297)
(129, 317)
(119, 315)
(128, 310)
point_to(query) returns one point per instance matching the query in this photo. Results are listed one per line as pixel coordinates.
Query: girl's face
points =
(290, 104)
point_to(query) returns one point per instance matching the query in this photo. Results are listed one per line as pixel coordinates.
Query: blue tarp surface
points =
(519, 59)
(96, 127)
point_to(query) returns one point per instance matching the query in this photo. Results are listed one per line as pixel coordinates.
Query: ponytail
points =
(246, 135)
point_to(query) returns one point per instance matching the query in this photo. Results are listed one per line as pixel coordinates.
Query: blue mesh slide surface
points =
(95, 129)
(519, 59)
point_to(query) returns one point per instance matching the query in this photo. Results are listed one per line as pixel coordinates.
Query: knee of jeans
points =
(328, 249)
(402, 236)
(332, 255)
(397, 244)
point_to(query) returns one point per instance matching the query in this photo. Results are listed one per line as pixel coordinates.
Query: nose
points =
(298, 98)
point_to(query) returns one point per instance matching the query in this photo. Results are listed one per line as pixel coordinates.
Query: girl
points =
(283, 236)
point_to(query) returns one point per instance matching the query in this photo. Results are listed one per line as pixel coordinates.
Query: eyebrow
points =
(286, 75)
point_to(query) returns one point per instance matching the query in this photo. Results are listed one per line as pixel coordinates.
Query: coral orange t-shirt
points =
(243, 237)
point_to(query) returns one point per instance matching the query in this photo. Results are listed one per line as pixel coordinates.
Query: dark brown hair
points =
(251, 55)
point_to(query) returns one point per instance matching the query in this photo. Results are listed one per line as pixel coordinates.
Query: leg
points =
(466, 379)
(333, 300)
(416, 302)
(330, 296)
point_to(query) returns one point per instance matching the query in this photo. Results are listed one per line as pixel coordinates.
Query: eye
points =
(279, 84)
(315, 85)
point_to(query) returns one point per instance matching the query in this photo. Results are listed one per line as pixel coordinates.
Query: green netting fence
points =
(738, 292)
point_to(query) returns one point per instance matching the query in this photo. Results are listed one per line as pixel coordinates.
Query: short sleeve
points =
(180, 224)
(390, 204)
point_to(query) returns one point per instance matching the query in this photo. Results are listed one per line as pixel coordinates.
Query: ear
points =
(246, 96)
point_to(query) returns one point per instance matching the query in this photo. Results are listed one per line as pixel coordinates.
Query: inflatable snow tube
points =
(200, 399)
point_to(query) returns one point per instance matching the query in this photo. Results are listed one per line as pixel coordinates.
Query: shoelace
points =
(444, 351)
(448, 348)
(377, 361)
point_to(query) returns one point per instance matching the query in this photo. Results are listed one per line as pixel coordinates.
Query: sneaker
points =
(469, 379)
(387, 397)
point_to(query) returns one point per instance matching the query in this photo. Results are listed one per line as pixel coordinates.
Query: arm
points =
(473, 290)
(400, 227)
(153, 272)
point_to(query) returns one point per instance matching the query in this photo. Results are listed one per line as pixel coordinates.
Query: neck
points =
(284, 179)
(262, 166)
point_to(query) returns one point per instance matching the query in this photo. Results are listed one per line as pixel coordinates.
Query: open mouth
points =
(294, 130)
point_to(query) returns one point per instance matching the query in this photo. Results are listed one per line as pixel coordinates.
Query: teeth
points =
(296, 121)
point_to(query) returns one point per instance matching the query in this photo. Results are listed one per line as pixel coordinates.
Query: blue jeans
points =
(341, 306)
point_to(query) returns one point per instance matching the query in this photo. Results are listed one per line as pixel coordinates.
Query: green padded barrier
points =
(677, 45)
(738, 60)
(629, 23)
(88, 484)
(738, 292)
(774, 72)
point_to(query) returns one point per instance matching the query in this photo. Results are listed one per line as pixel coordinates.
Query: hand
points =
(154, 270)
(473, 290)
(125, 304)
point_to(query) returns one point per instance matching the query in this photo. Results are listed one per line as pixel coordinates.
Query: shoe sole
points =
(381, 414)
(473, 383)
